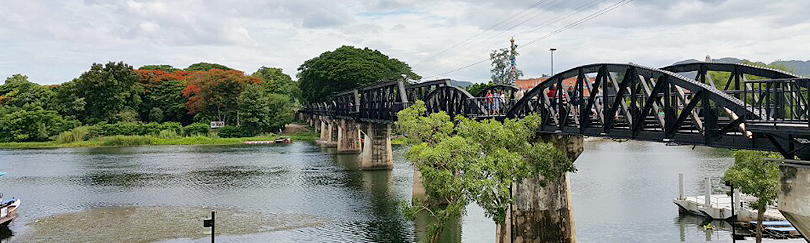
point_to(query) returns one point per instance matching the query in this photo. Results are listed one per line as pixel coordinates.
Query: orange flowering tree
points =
(213, 94)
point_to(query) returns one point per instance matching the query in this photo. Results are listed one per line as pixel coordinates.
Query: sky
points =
(55, 41)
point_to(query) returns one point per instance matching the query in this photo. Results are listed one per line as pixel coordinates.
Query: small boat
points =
(284, 140)
(8, 208)
(281, 140)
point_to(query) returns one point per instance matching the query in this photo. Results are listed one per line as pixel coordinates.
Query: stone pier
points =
(544, 213)
(348, 138)
(329, 133)
(377, 154)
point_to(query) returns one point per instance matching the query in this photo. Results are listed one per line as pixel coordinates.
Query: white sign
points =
(217, 124)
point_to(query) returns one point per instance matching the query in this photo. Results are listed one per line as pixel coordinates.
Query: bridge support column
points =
(544, 213)
(377, 154)
(348, 137)
(329, 133)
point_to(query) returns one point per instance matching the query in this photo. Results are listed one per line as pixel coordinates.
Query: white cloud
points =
(54, 41)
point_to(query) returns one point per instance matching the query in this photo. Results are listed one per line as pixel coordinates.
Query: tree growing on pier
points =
(463, 160)
(756, 177)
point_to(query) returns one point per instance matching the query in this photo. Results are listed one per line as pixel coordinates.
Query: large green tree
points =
(755, 176)
(18, 92)
(463, 160)
(204, 66)
(106, 92)
(277, 82)
(347, 68)
(33, 124)
(163, 67)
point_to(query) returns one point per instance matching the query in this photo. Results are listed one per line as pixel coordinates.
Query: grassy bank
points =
(112, 141)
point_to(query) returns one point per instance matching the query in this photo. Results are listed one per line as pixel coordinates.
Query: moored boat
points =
(8, 208)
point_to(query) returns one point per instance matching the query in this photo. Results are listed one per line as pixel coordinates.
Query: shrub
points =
(131, 128)
(74, 135)
(233, 132)
(198, 128)
(120, 140)
(167, 134)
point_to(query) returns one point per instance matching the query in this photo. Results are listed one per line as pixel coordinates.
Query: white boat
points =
(8, 208)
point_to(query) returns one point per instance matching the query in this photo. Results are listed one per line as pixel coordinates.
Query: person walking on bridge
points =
(496, 104)
(488, 99)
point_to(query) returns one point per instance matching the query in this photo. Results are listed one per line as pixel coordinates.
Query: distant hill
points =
(799, 67)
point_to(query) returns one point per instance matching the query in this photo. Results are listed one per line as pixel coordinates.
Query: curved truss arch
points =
(450, 99)
(632, 101)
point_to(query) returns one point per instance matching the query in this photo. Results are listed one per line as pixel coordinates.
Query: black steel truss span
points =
(622, 101)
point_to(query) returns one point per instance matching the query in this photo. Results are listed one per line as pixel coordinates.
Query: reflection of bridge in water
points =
(754, 108)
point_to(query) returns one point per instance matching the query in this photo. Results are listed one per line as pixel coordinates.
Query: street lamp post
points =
(552, 60)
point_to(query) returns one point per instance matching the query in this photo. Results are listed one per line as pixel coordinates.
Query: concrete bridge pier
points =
(544, 213)
(329, 133)
(348, 140)
(377, 153)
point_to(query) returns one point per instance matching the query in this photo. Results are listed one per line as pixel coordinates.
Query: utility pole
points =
(552, 60)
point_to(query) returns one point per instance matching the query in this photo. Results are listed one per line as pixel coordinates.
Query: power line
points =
(493, 27)
(569, 26)
(558, 4)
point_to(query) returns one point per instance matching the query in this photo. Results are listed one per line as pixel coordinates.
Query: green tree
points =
(754, 176)
(68, 101)
(254, 109)
(476, 88)
(281, 110)
(165, 68)
(277, 82)
(464, 160)
(348, 68)
(33, 124)
(106, 90)
(167, 96)
(204, 66)
(501, 67)
(721, 79)
(18, 91)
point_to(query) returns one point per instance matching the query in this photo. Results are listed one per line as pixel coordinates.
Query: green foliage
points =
(165, 68)
(477, 88)
(74, 135)
(213, 95)
(275, 81)
(167, 134)
(156, 114)
(196, 129)
(33, 125)
(167, 96)
(721, 79)
(105, 90)
(233, 132)
(254, 109)
(121, 140)
(281, 111)
(204, 66)
(348, 68)
(19, 92)
(754, 176)
(501, 67)
(464, 160)
(134, 128)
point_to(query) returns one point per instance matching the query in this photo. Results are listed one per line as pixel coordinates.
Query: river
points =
(622, 191)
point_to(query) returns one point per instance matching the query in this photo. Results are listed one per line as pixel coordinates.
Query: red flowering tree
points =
(163, 98)
(213, 94)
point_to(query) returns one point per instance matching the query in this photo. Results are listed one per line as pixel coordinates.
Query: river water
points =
(622, 191)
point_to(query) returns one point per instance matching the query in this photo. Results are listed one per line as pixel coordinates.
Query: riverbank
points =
(296, 134)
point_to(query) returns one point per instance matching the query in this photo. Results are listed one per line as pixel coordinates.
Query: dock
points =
(719, 206)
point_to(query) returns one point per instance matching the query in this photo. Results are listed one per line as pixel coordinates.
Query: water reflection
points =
(5, 234)
(689, 225)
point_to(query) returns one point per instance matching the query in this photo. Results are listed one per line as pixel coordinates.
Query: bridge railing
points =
(486, 107)
(779, 100)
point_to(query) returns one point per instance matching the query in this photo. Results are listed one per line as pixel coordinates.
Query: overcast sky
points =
(55, 41)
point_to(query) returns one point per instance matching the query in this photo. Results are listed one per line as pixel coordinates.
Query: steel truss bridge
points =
(754, 108)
